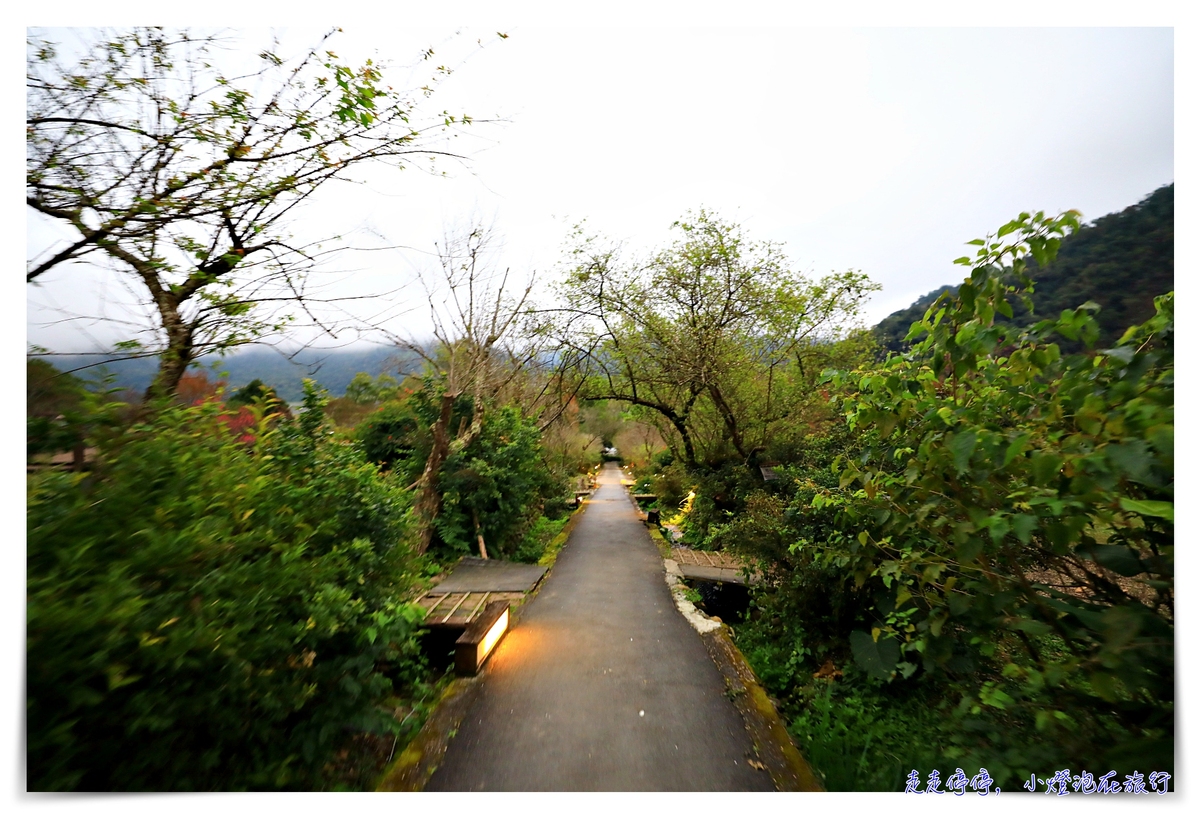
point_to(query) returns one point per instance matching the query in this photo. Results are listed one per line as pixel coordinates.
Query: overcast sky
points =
(881, 150)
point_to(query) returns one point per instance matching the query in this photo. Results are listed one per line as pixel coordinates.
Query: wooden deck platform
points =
(471, 585)
(456, 610)
(711, 566)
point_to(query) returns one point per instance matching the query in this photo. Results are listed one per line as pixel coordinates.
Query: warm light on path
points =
(601, 684)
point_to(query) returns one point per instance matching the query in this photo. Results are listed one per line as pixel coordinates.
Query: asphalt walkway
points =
(602, 685)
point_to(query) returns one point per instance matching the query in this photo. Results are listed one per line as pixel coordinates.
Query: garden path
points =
(602, 685)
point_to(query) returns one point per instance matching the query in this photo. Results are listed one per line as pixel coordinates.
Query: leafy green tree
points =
(395, 437)
(714, 335)
(184, 176)
(494, 490)
(55, 405)
(488, 345)
(48, 391)
(258, 394)
(365, 389)
(1017, 505)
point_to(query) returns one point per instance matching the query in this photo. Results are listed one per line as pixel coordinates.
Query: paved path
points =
(602, 685)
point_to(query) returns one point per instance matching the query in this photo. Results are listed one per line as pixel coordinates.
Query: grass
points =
(860, 741)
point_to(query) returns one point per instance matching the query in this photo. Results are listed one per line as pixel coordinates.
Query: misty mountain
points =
(332, 369)
(1121, 261)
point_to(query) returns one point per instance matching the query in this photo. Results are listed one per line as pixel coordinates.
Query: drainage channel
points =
(728, 601)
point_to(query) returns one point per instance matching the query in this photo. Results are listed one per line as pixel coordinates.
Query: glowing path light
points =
(472, 649)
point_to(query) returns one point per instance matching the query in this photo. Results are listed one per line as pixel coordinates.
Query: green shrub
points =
(394, 437)
(540, 534)
(861, 739)
(1019, 471)
(499, 482)
(207, 615)
(996, 545)
(671, 485)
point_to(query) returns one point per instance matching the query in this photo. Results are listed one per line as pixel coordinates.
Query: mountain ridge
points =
(1121, 261)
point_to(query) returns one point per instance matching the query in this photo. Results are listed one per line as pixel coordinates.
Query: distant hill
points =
(1121, 261)
(332, 369)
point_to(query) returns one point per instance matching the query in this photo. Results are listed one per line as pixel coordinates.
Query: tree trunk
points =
(171, 368)
(174, 361)
(430, 499)
(735, 435)
(689, 450)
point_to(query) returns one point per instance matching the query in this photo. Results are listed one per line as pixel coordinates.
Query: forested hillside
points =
(333, 369)
(1121, 262)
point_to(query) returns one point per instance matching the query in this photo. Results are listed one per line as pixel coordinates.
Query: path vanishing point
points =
(603, 685)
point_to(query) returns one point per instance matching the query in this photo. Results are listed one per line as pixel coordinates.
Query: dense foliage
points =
(1032, 483)
(993, 567)
(206, 614)
(498, 485)
(56, 408)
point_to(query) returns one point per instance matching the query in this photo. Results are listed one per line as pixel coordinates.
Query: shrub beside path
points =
(602, 685)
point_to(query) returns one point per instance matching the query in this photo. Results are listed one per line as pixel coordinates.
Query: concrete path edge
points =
(788, 769)
(412, 769)
(778, 753)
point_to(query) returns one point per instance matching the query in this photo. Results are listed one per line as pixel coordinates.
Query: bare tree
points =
(483, 344)
(184, 176)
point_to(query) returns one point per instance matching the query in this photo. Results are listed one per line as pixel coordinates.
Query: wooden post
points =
(479, 535)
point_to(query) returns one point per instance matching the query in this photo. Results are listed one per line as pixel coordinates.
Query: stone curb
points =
(776, 750)
(411, 771)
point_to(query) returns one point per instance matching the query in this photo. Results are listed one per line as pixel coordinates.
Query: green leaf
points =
(1150, 508)
(1015, 447)
(962, 446)
(969, 550)
(1117, 558)
(1133, 458)
(993, 696)
(1023, 525)
(878, 659)
(1032, 627)
(1123, 354)
(1045, 467)
(1105, 685)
